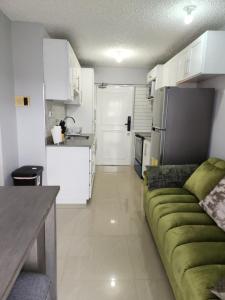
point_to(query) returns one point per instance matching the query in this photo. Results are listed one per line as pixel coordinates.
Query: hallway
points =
(105, 251)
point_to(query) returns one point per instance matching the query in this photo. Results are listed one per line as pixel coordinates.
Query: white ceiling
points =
(153, 29)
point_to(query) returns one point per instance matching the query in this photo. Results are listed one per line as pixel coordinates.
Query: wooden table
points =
(27, 234)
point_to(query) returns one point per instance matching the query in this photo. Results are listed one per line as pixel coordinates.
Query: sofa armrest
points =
(167, 176)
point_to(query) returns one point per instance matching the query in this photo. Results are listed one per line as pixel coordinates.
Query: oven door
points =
(138, 149)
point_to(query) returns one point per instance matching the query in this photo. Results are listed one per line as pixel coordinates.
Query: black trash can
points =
(28, 175)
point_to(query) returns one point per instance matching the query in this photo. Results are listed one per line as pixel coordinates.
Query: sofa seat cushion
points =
(168, 191)
(179, 219)
(162, 210)
(165, 199)
(30, 286)
(163, 192)
(196, 254)
(191, 233)
(200, 280)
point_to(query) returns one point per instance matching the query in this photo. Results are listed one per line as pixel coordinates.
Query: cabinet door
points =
(69, 168)
(159, 77)
(166, 74)
(196, 57)
(78, 78)
(169, 76)
(56, 65)
(72, 72)
(91, 168)
(183, 64)
(173, 71)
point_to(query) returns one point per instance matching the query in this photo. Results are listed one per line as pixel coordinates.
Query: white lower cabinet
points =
(146, 155)
(73, 169)
(91, 168)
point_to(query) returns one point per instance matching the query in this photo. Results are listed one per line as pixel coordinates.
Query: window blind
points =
(142, 110)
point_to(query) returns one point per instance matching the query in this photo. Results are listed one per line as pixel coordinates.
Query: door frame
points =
(132, 115)
(1, 161)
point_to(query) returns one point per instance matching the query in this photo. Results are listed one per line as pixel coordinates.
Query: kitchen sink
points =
(78, 136)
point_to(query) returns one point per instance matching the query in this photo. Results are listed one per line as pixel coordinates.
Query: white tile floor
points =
(105, 251)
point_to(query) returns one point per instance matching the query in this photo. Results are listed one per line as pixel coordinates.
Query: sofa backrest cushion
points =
(206, 177)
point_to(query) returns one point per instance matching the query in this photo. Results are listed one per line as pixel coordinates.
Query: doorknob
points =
(128, 124)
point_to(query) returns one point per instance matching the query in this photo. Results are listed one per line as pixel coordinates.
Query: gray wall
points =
(29, 79)
(121, 75)
(8, 134)
(217, 145)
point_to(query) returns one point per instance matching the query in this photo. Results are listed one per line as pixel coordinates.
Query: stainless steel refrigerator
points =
(182, 119)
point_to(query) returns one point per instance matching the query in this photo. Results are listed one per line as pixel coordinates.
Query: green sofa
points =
(191, 246)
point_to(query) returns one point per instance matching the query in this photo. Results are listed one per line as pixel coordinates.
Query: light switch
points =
(22, 101)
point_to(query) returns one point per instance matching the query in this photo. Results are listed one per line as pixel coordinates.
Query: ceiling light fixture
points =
(113, 282)
(119, 54)
(189, 14)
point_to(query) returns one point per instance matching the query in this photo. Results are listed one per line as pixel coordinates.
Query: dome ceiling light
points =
(189, 14)
(119, 54)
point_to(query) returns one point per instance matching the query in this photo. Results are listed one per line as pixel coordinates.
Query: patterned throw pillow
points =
(214, 204)
(219, 289)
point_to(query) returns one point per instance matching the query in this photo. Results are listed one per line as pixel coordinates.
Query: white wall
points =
(8, 134)
(29, 78)
(217, 144)
(55, 111)
(121, 75)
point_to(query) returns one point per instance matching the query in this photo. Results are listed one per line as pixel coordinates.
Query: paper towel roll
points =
(56, 134)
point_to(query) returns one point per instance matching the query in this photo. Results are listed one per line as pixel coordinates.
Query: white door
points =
(114, 105)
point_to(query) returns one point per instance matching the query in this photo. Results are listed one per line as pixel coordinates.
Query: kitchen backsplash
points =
(54, 112)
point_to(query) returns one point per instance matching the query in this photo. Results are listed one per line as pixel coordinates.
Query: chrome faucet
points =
(68, 117)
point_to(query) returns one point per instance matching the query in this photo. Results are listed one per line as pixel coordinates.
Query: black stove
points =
(139, 141)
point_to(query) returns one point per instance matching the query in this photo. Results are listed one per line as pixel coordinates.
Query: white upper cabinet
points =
(183, 64)
(62, 72)
(195, 59)
(203, 58)
(170, 72)
(156, 74)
